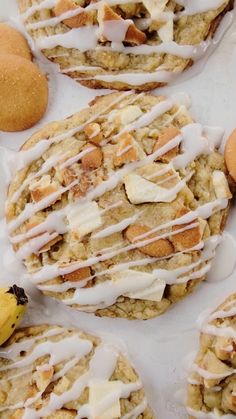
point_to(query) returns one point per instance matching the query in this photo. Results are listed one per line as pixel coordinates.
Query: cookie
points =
(24, 93)
(118, 209)
(142, 45)
(212, 384)
(53, 372)
(13, 42)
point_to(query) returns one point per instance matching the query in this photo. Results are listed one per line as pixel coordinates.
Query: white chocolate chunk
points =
(220, 185)
(98, 391)
(129, 114)
(166, 32)
(150, 287)
(156, 6)
(152, 293)
(85, 219)
(125, 116)
(140, 190)
(213, 365)
(40, 183)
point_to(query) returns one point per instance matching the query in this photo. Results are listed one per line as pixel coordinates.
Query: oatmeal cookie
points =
(113, 44)
(118, 209)
(212, 382)
(53, 372)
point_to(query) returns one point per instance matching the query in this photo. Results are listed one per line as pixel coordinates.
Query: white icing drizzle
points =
(55, 20)
(160, 172)
(109, 184)
(115, 30)
(84, 39)
(45, 4)
(117, 268)
(184, 51)
(20, 374)
(78, 68)
(204, 211)
(121, 152)
(211, 329)
(47, 165)
(58, 351)
(70, 350)
(117, 227)
(146, 119)
(14, 350)
(34, 245)
(54, 222)
(172, 177)
(68, 365)
(25, 157)
(76, 158)
(135, 78)
(211, 375)
(106, 293)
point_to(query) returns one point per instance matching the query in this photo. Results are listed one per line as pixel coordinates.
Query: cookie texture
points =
(54, 372)
(24, 93)
(212, 384)
(13, 42)
(118, 209)
(113, 44)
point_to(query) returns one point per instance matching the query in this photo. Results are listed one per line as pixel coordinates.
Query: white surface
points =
(158, 347)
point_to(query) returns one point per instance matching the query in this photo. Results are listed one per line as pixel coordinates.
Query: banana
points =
(13, 303)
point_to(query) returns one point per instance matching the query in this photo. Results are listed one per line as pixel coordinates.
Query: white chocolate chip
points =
(85, 219)
(220, 185)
